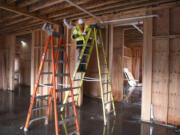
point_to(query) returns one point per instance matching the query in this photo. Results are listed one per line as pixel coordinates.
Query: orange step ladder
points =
(59, 107)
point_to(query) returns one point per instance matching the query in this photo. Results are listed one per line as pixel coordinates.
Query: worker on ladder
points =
(79, 34)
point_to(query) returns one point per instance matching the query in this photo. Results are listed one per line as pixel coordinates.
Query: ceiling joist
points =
(24, 12)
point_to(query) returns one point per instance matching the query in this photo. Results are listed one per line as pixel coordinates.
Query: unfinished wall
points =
(3, 64)
(117, 64)
(165, 68)
(39, 38)
(23, 58)
(7, 44)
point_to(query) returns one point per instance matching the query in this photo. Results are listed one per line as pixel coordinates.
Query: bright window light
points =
(24, 44)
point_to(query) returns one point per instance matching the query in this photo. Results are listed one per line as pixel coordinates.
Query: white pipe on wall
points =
(131, 18)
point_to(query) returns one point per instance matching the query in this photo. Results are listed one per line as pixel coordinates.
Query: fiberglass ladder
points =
(104, 78)
(58, 59)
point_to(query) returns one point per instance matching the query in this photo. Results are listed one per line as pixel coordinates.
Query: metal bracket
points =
(48, 28)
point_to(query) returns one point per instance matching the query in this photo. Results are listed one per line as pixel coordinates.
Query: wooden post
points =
(147, 70)
(32, 62)
(111, 39)
(11, 44)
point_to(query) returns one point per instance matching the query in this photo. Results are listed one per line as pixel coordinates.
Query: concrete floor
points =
(14, 106)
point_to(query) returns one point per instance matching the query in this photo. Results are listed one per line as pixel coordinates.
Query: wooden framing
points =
(147, 70)
(56, 10)
(10, 41)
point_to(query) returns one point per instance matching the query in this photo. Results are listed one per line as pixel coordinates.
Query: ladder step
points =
(74, 133)
(46, 73)
(104, 73)
(77, 79)
(62, 74)
(60, 61)
(106, 82)
(45, 85)
(83, 63)
(85, 54)
(57, 61)
(36, 119)
(107, 92)
(83, 45)
(66, 89)
(42, 97)
(66, 120)
(58, 74)
(39, 108)
(108, 102)
(63, 105)
(57, 48)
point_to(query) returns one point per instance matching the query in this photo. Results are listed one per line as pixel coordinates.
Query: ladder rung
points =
(74, 133)
(108, 102)
(57, 48)
(66, 120)
(46, 73)
(45, 85)
(39, 108)
(58, 74)
(107, 92)
(57, 61)
(38, 118)
(77, 79)
(82, 45)
(104, 73)
(83, 63)
(41, 97)
(67, 104)
(66, 89)
(85, 54)
(62, 74)
(106, 82)
(60, 61)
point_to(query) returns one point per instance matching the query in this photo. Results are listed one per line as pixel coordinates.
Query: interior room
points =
(89, 67)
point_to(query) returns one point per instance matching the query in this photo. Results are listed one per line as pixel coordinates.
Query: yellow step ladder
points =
(104, 78)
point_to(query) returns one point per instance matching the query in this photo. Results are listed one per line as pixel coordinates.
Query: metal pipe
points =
(127, 24)
(129, 19)
(85, 11)
(137, 28)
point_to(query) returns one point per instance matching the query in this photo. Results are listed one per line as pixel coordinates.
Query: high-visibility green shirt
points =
(76, 34)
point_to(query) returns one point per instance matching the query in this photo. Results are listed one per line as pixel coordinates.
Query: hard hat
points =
(80, 21)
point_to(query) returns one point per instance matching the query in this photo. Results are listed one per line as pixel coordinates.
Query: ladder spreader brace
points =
(52, 95)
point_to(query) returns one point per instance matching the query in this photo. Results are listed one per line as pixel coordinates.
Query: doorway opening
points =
(22, 60)
(132, 64)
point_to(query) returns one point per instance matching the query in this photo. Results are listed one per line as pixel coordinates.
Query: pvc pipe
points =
(85, 11)
(129, 19)
(152, 112)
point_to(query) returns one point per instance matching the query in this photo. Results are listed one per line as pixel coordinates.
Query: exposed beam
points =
(100, 8)
(45, 5)
(24, 12)
(85, 11)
